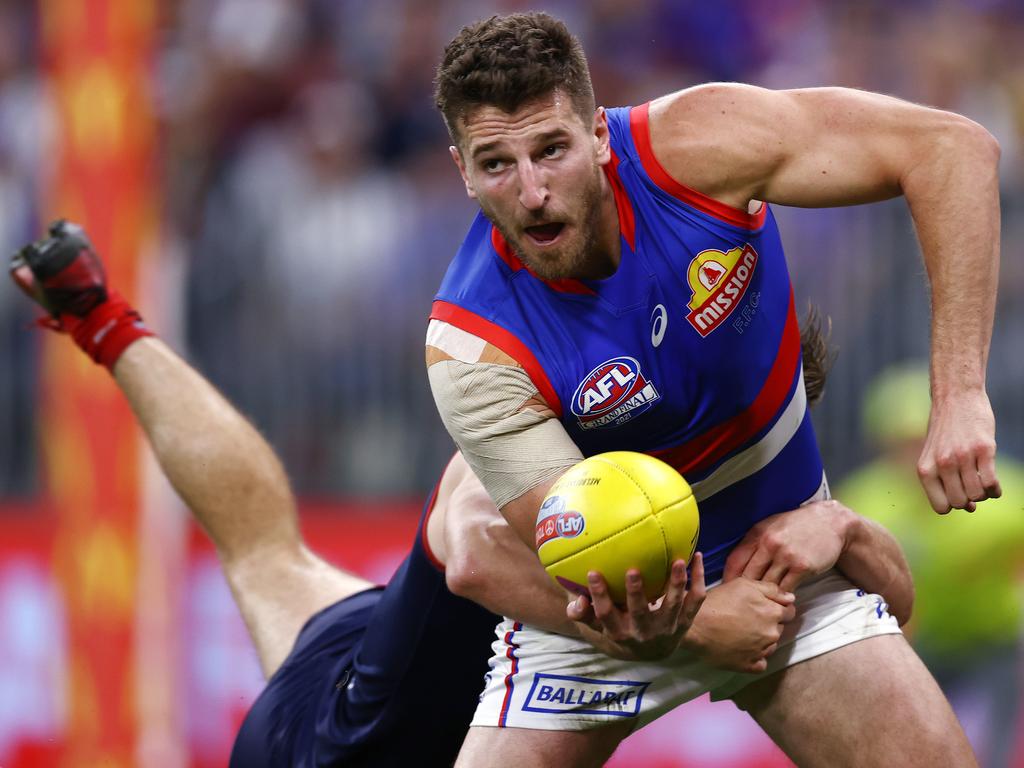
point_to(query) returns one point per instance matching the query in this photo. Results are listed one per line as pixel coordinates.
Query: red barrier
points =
(217, 668)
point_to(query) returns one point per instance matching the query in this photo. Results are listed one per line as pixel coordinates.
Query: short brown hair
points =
(509, 61)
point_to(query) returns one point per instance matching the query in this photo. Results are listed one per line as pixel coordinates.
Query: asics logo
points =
(659, 323)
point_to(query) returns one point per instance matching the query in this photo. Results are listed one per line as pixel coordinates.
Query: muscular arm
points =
(507, 433)
(835, 146)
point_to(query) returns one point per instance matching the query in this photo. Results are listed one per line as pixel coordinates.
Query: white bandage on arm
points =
(511, 447)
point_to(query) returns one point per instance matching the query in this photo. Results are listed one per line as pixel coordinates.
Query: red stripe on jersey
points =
(715, 444)
(639, 126)
(503, 340)
(510, 653)
(627, 221)
(565, 285)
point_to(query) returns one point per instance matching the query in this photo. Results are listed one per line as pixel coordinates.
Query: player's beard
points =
(569, 259)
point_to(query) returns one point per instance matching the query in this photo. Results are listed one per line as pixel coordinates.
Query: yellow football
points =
(613, 512)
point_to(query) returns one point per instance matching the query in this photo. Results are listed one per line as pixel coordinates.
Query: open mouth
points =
(545, 234)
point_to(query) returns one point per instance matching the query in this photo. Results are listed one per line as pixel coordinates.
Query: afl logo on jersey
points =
(718, 280)
(612, 394)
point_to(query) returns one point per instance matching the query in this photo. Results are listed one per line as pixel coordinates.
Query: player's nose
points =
(533, 188)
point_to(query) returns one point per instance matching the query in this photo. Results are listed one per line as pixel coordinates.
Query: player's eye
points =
(553, 150)
(493, 165)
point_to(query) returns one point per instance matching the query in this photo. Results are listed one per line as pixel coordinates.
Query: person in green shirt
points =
(968, 568)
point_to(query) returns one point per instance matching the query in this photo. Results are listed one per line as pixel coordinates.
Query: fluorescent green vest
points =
(968, 568)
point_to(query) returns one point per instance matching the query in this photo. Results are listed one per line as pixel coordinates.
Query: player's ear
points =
(457, 157)
(602, 138)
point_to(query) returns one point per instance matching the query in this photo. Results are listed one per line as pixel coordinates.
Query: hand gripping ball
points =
(613, 512)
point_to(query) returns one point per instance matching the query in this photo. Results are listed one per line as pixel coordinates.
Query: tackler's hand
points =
(740, 624)
(792, 546)
(640, 631)
(61, 272)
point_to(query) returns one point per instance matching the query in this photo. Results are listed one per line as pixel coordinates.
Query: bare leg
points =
(540, 749)
(238, 492)
(870, 703)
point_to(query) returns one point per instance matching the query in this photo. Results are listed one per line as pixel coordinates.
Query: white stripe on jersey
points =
(761, 453)
(455, 342)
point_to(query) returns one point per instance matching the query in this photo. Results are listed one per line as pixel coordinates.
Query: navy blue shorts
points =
(386, 678)
(280, 728)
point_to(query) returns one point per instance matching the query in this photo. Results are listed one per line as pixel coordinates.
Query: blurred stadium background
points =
(269, 181)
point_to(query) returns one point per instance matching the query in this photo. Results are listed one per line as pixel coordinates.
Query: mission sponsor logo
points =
(561, 694)
(612, 394)
(718, 280)
(554, 521)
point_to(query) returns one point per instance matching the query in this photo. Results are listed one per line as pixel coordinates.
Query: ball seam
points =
(650, 504)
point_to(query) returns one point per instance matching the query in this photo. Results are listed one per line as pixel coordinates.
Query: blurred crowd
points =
(311, 207)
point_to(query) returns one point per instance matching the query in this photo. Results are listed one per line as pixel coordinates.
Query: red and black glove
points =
(64, 275)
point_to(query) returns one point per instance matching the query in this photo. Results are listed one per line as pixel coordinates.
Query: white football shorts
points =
(551, 682)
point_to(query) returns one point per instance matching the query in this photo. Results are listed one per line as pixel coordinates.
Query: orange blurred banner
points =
(98, 55)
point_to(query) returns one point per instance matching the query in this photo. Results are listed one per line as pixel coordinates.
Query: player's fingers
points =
(769, 650)
(698, 589)
(675, 596)
(971, 479)
(636, 600)
(738, 558)
(987, 475)
(788, 613)
(698, 584)
(933, 488)
(954, 488)
(794, 578)
(604, 609)
(579, 609)
(675, 590)
(776, 572)
(775, 592)
(758, 564)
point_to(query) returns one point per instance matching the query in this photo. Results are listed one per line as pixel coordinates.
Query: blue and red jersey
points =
(689, 352)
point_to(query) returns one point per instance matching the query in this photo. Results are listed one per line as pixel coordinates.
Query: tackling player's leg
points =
(219, 464)
(238, 492)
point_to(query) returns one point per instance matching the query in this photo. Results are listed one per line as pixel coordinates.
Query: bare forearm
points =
(540, 603)
(953, 194)
(501, 573)
(217, 462)
(874, 561)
